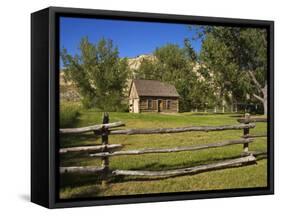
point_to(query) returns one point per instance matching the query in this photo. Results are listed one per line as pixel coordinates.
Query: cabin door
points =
(160, 105)
(136, 105)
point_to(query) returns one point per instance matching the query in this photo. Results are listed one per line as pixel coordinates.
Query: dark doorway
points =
(160, 105)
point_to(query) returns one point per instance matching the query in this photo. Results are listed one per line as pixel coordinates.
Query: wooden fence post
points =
(105, 159)
(246, 132)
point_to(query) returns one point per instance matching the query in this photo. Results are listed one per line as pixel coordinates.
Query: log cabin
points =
(152, 96)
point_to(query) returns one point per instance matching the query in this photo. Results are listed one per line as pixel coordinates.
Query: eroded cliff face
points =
(68, 90)
(134, 63)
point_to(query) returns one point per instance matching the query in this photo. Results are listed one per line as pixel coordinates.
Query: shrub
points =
(69, 113)
(112, 103)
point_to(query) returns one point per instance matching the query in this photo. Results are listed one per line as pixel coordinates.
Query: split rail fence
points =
(106, 150)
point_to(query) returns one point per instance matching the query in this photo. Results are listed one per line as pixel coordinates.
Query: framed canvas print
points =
(139, 107)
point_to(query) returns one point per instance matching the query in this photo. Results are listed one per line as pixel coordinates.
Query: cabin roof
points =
(154, 88)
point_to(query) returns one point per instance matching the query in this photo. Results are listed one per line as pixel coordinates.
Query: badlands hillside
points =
(134, 63)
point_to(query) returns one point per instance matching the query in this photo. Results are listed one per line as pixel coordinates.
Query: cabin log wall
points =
(155, 100)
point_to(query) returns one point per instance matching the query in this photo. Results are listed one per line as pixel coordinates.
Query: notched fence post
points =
(246, 132)
(105, 159)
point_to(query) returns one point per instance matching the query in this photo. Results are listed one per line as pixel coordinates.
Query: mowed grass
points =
(85, 185)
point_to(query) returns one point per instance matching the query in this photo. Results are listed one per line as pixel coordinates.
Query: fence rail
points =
(106, 150)
(243, 120)
(180, 129)
(90, 128)
(82, 169)
(176, 149)
(89, 148)
(190, 170)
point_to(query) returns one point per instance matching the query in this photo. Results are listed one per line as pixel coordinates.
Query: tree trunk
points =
(265, 106)
(261, 90)
(264, 91)
(263, 98)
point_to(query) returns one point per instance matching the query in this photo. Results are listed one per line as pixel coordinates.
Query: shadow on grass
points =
(71, 140)
(72, 180)
(81, 192)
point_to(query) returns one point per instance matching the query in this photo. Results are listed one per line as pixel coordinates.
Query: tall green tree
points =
(238, 59)
(98, 72)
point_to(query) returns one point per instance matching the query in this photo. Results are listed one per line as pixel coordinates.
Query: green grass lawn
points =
(85, 185)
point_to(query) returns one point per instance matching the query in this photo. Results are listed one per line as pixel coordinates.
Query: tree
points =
(190, 53)
(98, 72)
(149, 69)
(238, 59)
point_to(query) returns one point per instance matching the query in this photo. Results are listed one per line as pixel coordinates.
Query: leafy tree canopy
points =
(98, 72)
(238, 59)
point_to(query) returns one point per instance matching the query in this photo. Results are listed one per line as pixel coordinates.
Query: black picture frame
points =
(45, 110)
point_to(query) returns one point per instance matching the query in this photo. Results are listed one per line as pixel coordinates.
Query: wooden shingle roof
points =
(155, 88)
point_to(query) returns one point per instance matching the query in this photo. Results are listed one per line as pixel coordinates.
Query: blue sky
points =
(132, 38)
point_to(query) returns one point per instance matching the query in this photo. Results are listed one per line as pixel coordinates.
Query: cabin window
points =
(149, 104)
(168, 104)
